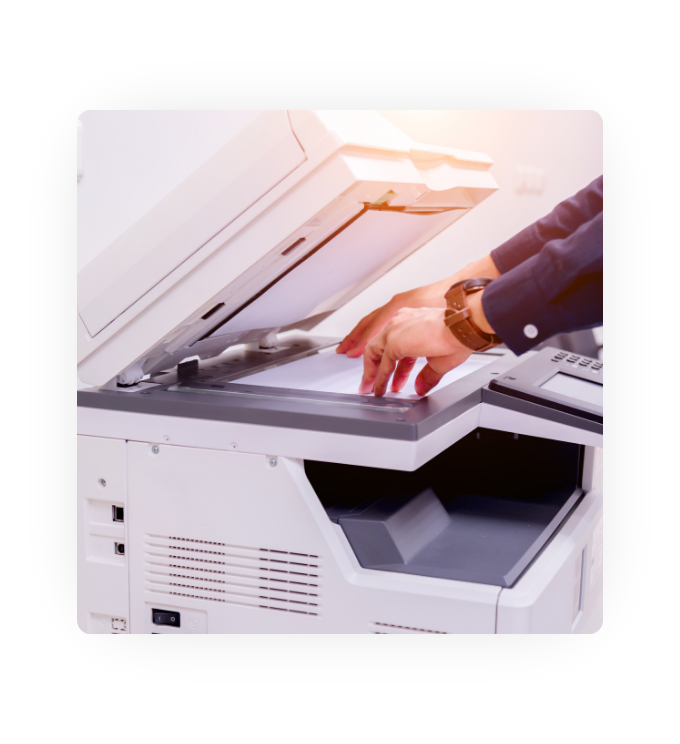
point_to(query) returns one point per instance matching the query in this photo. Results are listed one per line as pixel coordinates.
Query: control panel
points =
(579, 363)
(557, 379)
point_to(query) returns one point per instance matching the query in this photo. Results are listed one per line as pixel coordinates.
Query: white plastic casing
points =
(240, 543)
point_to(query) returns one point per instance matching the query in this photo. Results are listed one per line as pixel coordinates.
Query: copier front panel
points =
(233, 542)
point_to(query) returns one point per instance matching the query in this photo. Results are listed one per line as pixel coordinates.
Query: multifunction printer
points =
(230, 477)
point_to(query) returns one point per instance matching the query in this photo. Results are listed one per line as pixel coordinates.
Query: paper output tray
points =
(478, 512)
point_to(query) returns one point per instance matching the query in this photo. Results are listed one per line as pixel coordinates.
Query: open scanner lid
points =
(283, 225)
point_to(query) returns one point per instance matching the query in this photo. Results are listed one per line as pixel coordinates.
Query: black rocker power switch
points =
(164, 617)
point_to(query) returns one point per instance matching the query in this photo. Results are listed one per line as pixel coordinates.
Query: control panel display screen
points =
(574, 387)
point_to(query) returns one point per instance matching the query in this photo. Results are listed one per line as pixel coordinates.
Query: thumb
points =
(427, 379)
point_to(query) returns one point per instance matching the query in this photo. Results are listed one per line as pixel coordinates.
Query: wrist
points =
(483, 267)
(477, 315)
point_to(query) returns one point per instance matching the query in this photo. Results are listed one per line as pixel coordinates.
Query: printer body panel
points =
(198, 488)
(243, 539)
(563, 591)
(298, 443)
(103, 571)
(257, 439)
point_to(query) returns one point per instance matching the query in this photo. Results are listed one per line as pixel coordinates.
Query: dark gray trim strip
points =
(501, 400)
(299, 409)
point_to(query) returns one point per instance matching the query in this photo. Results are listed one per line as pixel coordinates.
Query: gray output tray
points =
(473, 537)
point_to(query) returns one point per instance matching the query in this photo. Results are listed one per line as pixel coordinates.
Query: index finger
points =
(355, 334)
(354, 344)
(373, 354)
(387, 365)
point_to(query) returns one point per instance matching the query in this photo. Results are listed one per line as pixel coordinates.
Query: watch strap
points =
(458, 319)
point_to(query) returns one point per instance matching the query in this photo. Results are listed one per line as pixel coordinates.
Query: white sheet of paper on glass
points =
(328, 372)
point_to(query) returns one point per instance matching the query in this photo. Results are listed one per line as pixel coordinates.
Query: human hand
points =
(410, 334)
(429, 296)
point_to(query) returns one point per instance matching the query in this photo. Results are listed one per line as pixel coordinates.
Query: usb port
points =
(118, 513)
(119, 548)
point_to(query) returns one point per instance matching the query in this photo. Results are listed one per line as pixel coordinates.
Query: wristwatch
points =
(458, 317)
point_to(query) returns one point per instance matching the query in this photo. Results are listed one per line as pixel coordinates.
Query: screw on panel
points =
(154, 449)
(102, 483)
(272, 462)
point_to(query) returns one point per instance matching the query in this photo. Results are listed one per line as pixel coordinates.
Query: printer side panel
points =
(228, 542)
(103, 596)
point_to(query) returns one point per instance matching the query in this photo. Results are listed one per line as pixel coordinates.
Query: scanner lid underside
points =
(317, 206)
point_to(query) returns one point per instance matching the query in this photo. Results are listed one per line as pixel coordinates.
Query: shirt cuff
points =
(517, 311)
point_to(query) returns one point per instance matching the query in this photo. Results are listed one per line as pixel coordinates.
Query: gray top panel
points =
(198, 397)
(387, 418)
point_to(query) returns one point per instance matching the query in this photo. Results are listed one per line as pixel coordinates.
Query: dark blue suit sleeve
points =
(554, 290)
(565, 219)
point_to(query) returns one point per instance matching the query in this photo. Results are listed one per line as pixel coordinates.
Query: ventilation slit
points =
(235, 574)
(384, 628)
